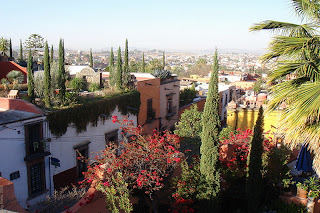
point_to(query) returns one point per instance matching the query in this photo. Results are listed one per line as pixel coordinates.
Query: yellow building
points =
(246, 118)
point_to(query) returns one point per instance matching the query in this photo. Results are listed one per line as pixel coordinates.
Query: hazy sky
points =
(153, 24)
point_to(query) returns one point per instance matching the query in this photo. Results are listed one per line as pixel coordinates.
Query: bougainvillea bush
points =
(234, 151)
(139, 162)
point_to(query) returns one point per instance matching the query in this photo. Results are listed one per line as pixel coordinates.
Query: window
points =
(111, 137)
(82, 151)
(150, 111)
(226, 100)
(36, 178)
(34, 136)
(230, 95)
(170, 105)
(171, 110)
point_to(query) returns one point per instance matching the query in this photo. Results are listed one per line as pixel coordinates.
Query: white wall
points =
(12, 154)
(63, 148)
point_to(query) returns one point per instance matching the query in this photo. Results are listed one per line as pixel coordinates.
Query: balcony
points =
(171, 112)
(38, 150)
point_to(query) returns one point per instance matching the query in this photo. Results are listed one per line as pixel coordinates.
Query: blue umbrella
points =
(304, 161)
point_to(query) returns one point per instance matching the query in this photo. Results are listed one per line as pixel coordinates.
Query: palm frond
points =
(293, 48)
(285, 28)
(307, 9)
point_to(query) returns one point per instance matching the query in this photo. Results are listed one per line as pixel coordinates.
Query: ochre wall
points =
(149, 89)
(246, 117)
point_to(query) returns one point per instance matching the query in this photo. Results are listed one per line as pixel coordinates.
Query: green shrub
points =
(77, 84)
(187, 96)
(94, 87)
(280, 206)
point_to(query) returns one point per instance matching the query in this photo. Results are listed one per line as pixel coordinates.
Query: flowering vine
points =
(140, 161)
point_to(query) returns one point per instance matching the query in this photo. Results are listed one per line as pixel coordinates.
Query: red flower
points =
(177, 160)
(114, 119)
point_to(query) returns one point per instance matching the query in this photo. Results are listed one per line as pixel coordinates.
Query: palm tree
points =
(296, 51)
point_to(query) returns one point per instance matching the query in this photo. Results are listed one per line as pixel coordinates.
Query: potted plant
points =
(314, 192)
(302, 190)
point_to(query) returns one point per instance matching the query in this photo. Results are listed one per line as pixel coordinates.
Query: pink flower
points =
(106, 183)
(177, 160)
(114, 119)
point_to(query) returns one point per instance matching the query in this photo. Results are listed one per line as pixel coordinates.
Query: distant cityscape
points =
(236, 61)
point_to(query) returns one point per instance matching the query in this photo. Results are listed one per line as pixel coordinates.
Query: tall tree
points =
(51, 55)
(30, 78)
(209, 162)
(118, 74)
(91, 59)
(296, 52)
(111, 62)
(163, 60)
(126, 71)
(61, 72)
(21, 52)
(143, 64)
(47, 76)
(4, 45)
(112, 74)
(10, 48)
(34, 42)
(254, 180)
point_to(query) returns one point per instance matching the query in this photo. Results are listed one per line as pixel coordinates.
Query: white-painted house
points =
(227, 93)
(90, 140)
(24, 151)
(88, 143)
(37, 161)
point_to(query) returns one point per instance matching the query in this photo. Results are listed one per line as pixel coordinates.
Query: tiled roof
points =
(9, 116)
(7, 66)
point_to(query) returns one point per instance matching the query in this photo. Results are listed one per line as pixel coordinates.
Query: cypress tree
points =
(143, 63)
(10, 49)
(30, 78)
(126, 71)
(163, 61)
(209, 162)
(111, 70)
(61, 72)
(47, 76)
(118, 74)
(91, 59)
(111, 63)
(21, 52)
(51, 55)
(254, 176)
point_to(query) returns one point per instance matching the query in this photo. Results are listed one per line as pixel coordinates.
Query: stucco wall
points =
(12, 153)
(149, 89)
(63, 148)
(246, 117)
(166, 88)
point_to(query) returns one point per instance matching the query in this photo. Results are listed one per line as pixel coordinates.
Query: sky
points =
(147, 24)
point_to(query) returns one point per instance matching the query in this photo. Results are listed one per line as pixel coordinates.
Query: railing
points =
(40, 150)
(171, 111)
